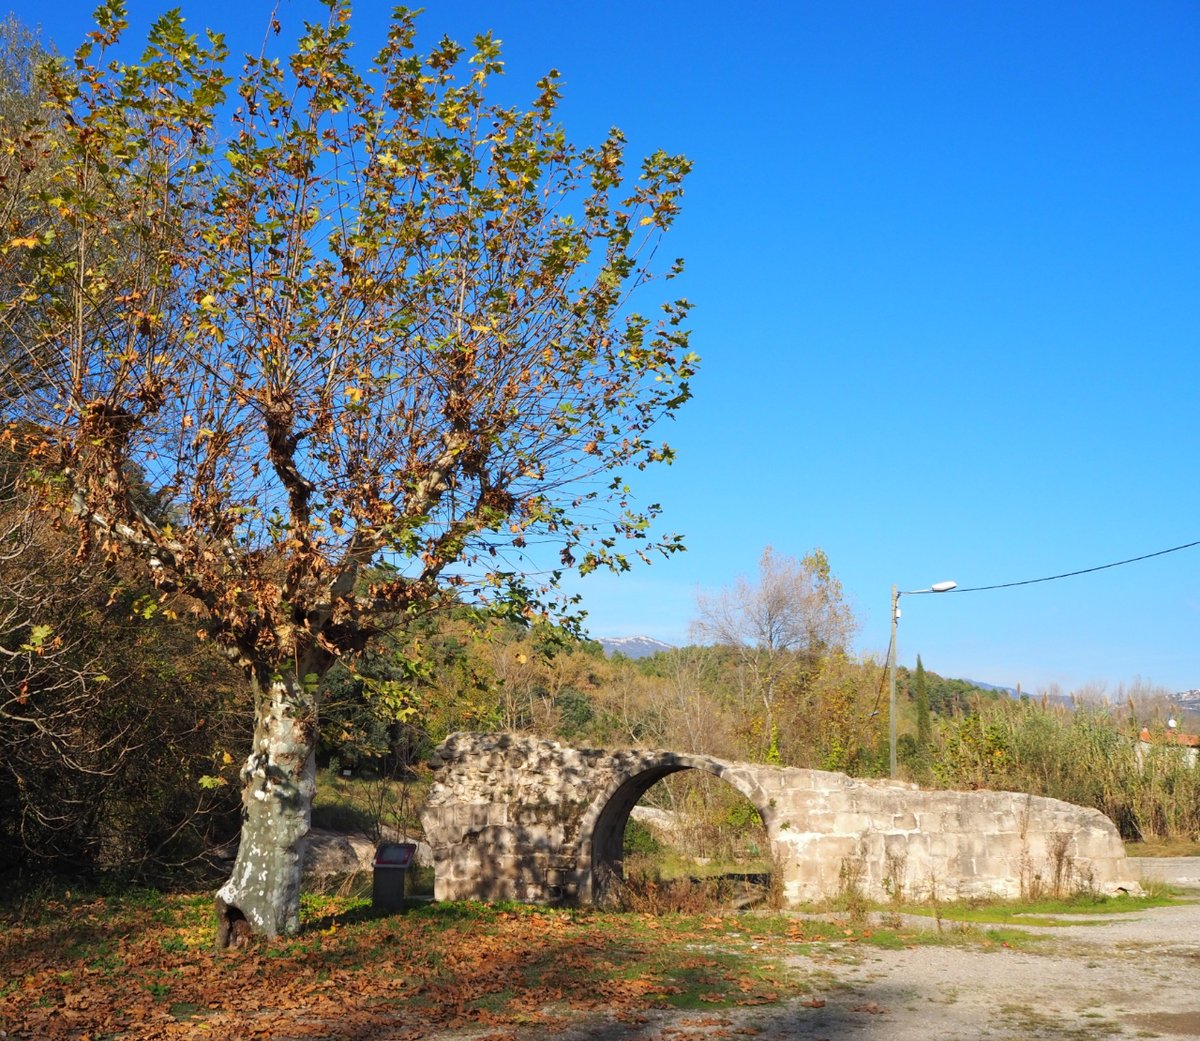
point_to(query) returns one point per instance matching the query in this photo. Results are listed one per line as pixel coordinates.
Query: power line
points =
(1024, 582)
(884, 674)
(1072, 574)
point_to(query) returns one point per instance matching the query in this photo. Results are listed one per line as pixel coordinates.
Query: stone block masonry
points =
(511, 817)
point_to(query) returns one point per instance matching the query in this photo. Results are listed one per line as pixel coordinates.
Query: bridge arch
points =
(602, 826)
(512, 817)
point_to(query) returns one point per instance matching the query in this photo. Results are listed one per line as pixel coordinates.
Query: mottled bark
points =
(279, 778)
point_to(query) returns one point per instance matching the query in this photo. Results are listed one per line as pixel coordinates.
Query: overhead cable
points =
(1072, 574)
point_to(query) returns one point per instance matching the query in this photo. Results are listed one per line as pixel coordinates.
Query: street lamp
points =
(937, 587)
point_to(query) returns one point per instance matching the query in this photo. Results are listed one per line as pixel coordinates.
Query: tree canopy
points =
(364, 344)
(384, 319)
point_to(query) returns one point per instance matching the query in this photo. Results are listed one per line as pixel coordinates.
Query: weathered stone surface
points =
(513, 817)
(335, 853)
(332, 853)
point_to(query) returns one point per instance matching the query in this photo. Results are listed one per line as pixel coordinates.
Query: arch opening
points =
(701, 841)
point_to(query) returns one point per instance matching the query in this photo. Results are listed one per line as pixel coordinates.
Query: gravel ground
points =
(1134, 975)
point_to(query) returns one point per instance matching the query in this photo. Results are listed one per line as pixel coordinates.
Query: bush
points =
(1082, 755)
(640, 840)
(112, 716)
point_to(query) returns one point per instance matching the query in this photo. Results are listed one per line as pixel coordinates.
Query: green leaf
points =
(38, 635)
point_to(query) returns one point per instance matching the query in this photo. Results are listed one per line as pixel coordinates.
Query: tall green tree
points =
(924, 719)
(386, 324)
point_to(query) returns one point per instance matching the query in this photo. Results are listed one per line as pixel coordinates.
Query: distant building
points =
(1188, 744)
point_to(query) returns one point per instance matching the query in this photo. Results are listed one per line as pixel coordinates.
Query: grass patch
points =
(184, 1012)
(367, 805)
(1046, 911)
(822, 935)
(1177, 847)
(316, 907)
(670, 865)
(657, 885)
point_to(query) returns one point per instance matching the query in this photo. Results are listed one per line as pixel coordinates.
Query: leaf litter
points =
(87, 970)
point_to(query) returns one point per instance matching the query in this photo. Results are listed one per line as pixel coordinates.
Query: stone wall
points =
(512, 817)
(831, 832)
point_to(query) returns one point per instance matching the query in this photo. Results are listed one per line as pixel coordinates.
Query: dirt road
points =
(1134, 975)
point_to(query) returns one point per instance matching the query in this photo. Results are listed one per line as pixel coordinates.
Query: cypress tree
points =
(924, 722)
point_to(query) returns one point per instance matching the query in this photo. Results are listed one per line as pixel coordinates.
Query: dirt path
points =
(1135, 975)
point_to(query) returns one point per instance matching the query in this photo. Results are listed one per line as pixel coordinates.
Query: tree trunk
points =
(262, 896)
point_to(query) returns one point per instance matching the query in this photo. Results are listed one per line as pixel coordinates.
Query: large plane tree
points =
(364, 335)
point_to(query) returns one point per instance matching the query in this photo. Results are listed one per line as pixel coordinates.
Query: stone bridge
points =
(517, 818)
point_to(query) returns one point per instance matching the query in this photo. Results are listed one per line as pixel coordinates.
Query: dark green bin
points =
(392, 863)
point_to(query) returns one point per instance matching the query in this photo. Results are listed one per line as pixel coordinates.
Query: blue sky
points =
(945, 261)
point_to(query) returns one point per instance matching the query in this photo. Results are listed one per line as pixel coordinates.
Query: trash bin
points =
(392, 861)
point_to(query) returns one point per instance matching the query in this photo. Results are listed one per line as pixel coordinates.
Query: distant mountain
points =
(1012, 692)
(1185, 701)
(633, 646)
(1188, 700)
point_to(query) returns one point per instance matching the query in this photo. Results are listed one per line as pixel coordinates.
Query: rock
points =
(334, 853)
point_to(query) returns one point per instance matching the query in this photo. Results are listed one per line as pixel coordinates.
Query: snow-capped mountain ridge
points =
(633, 646)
